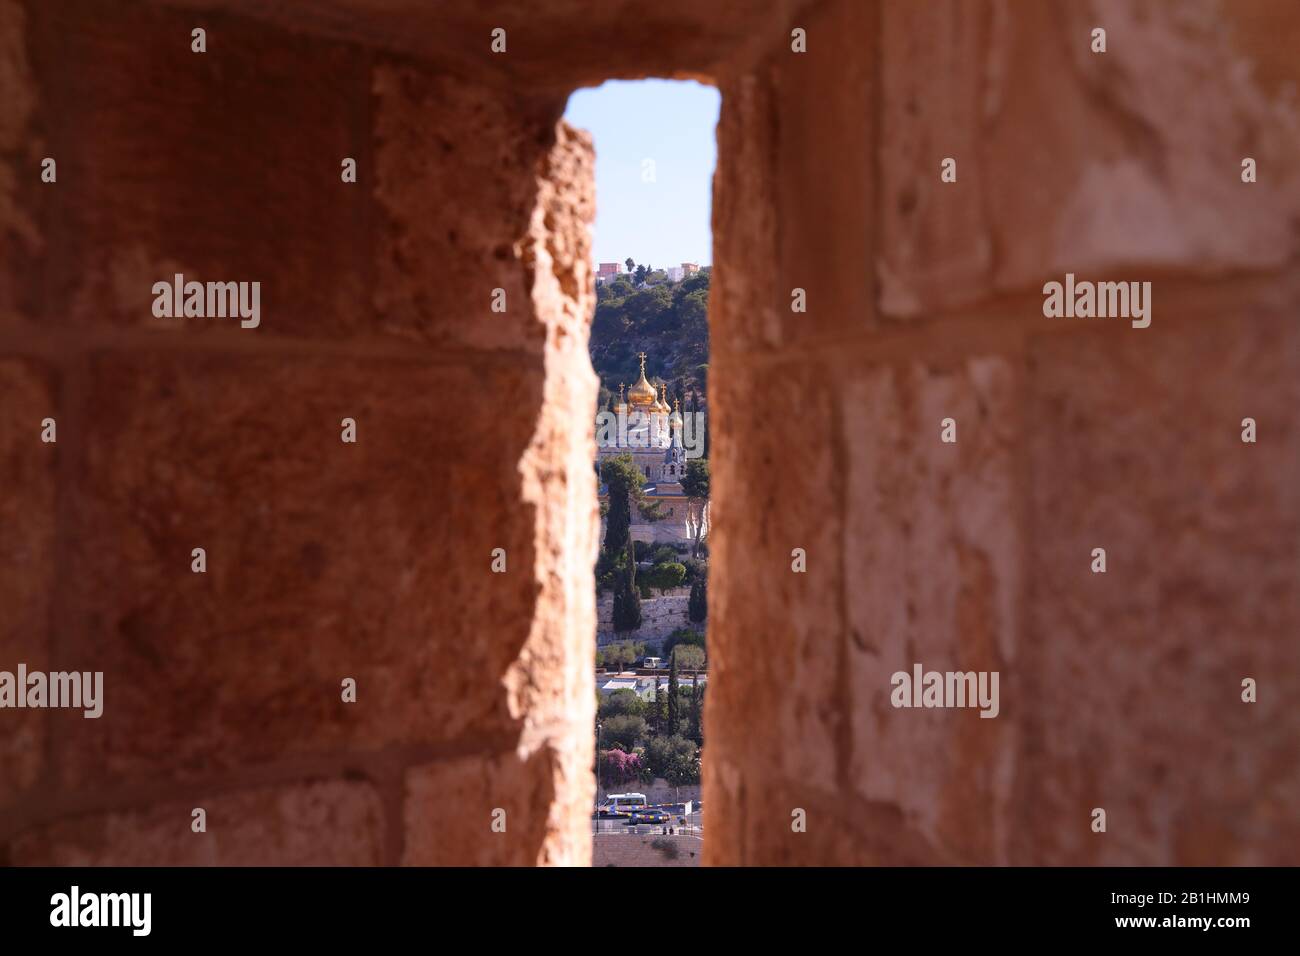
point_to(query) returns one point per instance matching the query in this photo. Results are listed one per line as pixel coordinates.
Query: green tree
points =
(697, 712)
(666, 576)
(674, 758)
(621, 703)
(695, 485)
(620, 654)
(621, 731)
(689, 656)
(681, 636)
(624, 483)
(627, 601)
(650, 309)
(662, 726)
(653, 710)
(697, 608)
(694, 569)
(673, 703)
(693, 314)
(629, 263)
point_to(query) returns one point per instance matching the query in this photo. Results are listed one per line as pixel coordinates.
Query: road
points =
(611, 825)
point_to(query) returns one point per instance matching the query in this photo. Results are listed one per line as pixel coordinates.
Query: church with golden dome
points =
(644, 426)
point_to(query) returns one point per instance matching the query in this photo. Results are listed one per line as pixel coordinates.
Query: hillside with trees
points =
(644, 311)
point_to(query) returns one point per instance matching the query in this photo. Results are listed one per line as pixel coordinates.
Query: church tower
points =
(674, 464)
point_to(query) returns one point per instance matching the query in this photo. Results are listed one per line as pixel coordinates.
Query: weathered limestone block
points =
(825, 197)
(751, 820)
(1070, 160)
(745, 304)
(1135, 701)
(936, 60)
(932, 544)
(549, 686)
(223, 166)
(20, 155)
(325, 559)
(27, 581)
(457, 180)
(331, 823)
(514, 809)
(776, 637)
(559, 45)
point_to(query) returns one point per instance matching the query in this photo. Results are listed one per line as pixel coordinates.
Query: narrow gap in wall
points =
(653, 246)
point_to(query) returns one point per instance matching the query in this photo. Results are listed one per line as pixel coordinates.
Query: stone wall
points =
(660, 616)
(673, 529)
(646, 849)
(1121, 690)
(329, 560)
(325, 560)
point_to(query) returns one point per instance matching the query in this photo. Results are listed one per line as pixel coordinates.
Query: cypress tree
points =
(654, 709)
(619, 474)
(627, 602)
(697, 608)
(673, 702)
(661, 712)
(697, 723)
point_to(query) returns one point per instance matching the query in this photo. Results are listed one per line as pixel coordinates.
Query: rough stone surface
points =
(561, 44)
(550, 685)
(757, 827)
(937, 525)
(27, 583)
(455, 182)
(646, 849)
(1070, 160)
(222, 166)
(20, 240)
(660, 616)
(325, 560)
(373, 559)
(745, 305)
(1133, 690)
(318, 824)
(488, 812)
(823, 200)
(776, 637)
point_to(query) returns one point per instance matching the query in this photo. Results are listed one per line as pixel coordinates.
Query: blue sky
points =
(665, 222)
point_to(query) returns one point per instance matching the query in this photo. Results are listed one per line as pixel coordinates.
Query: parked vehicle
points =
(621, 804)
(655, 817)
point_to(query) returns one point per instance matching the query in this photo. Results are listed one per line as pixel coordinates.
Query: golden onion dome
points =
(661, 404)
(642, 394)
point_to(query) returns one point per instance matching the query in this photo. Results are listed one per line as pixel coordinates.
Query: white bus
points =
(623, 803)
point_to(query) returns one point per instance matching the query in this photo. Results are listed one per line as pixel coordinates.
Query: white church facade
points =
(651, 432)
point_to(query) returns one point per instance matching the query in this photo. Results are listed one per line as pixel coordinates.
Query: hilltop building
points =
(653, 439)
